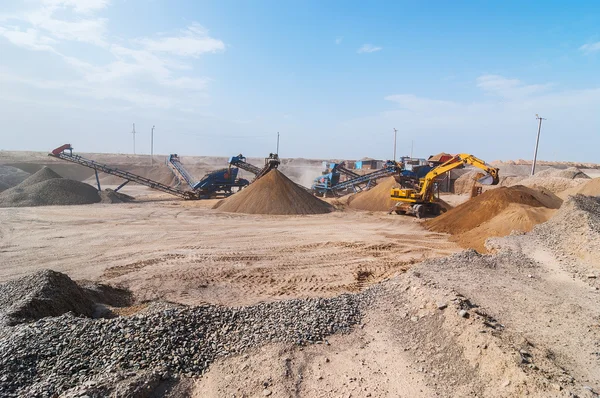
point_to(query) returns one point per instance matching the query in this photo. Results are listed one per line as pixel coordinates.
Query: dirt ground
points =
(522, 325)
(179, 251)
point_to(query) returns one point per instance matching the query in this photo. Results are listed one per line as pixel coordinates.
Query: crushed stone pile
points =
(46, 188)
(11, 176)
(494, 213)
(53, 355)
(274, 193)
(42, 294)
(556, 180)
(110, 196)
(574, 229)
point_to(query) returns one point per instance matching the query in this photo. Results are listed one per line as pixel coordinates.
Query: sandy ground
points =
(187, 253)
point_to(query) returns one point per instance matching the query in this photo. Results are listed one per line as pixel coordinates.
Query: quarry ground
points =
(525, 322)
(187, 253)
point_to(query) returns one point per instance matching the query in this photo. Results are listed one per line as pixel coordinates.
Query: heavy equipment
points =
(417, 197)
(329, 183)
(271, 162)
(214, 183)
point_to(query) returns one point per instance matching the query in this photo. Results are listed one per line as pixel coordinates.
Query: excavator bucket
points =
(486, 180)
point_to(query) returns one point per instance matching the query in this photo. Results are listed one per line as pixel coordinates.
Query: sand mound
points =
(488, 205)
(45, 293)
(274, 194)
(575, 228)
(556, 180)
(11, 176)
(590, 188)
(570, 173)
(375, 199)
(465, 183)
(55, 191)
(515, 218)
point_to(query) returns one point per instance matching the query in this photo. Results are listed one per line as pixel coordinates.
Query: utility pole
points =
(537, 142)
(152, 146)
(278, 143)
(395, 131)
(133, 133)
(412, 144)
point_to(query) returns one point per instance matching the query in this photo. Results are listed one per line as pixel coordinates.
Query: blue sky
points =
(334, 78)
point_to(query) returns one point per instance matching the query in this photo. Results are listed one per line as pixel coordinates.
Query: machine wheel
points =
(436, 209)
(419, 211)
(402, 212)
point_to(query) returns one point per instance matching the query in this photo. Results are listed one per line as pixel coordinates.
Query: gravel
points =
(574, 229)
(42, 294)
(55, 191)
(53, 355)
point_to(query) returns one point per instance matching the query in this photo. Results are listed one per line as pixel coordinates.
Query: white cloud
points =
(338, 40)
(509, 88)
(145, 71)
(501, 126)
(368, 48)
(79, 6)
(590, 47)
(29, 39)
(191, 42)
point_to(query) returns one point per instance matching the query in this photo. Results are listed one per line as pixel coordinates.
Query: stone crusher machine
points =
(209, 187)
(329, 183)
(271, 162)
(417, 196)
(222, 182)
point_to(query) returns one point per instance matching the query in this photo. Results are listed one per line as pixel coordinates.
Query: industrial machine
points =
(219, 182)
(329, 183)
(214, 183)
(271, 162)
(417, 197)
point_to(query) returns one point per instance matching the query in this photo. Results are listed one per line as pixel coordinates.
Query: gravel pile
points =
(11, 176)
(54, 355)
(42, 294)
(574, 229)
(110, 196)
(55, 191)
(556, 180)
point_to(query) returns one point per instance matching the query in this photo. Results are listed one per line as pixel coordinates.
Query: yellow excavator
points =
(417, 197)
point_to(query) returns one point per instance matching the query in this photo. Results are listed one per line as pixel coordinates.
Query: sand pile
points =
(556, 180)
(466, 182)
(590, 188)
(494, 213)
(376, 198)
(274, 194)
(575, 229)
(45, 293)
(46, 188)
(515, 218)
(11, 176)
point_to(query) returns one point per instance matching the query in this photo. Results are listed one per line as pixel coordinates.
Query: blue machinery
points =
(218, 181)
(329, 183)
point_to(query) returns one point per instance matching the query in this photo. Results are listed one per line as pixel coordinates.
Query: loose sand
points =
(274, 194)
(375, 199)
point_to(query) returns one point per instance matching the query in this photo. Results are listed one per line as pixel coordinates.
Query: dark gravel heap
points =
(53, 355)
(44, 293)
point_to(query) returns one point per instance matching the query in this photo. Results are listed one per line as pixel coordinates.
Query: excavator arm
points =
(491, 177)
(421, 200)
